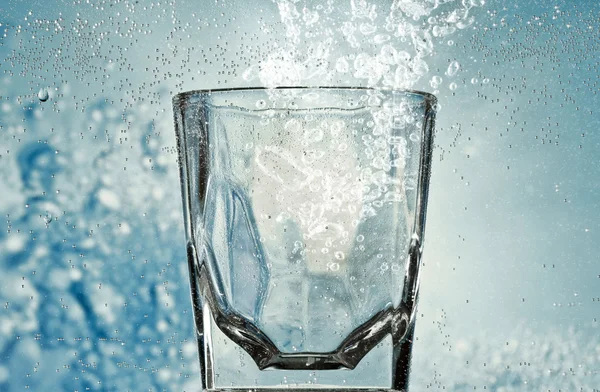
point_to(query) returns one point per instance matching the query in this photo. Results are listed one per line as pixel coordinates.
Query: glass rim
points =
(432, 99)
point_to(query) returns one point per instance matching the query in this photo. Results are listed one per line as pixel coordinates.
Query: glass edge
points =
(179, 97)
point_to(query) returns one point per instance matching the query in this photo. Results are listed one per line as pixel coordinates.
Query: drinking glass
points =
(304, 214)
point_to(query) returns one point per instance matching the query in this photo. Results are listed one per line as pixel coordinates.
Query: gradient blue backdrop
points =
(93, 281)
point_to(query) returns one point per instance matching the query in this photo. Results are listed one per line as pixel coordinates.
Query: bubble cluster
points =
(378, 45)
(522, 359)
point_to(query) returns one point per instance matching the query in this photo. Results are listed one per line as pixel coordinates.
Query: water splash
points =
(392, 43)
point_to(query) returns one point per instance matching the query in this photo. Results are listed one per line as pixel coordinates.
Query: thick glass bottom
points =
(305, 389)
(226, 366)
(229, 367)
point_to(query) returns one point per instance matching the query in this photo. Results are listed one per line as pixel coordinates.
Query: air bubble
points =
(435, 82)
(381, 38)
(453, 68)
(342, 65)
(333, 266)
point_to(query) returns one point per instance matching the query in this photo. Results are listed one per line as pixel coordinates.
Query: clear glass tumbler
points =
(304, 218)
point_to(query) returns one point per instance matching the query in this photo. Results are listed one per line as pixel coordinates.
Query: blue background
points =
(93, 281)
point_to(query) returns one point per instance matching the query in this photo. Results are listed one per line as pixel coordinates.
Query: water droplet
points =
(360, 238)
(43, 94)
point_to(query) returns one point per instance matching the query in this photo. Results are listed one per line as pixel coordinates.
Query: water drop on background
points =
(43, 94)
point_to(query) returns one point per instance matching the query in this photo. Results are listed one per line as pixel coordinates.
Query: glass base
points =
(304, 389)
(228, 367)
